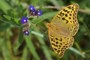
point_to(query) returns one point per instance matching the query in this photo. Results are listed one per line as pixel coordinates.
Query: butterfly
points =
(62, 29)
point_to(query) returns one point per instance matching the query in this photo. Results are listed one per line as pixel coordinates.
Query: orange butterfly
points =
(63, 28)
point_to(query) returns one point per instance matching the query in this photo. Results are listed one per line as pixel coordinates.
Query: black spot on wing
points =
(69, 7)
(66, 15)
(69, 17)
(58, 16)
(61, 14)
(63, 18)
(70, 14)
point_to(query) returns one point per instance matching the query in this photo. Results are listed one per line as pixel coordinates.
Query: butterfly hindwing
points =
(59, 42)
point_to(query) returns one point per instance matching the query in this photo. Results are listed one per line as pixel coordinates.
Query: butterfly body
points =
(63, 28)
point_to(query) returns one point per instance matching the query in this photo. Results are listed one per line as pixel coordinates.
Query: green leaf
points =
(4, 6)
(31, 47)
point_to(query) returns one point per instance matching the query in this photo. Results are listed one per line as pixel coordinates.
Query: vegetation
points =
(14, 45)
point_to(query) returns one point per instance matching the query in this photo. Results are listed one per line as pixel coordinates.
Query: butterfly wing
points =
(62, 28)
(60, 42)
(68, 17)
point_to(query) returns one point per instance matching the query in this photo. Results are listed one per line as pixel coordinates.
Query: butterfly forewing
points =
(68, 17)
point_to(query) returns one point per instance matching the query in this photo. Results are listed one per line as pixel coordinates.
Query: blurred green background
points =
(15, 46)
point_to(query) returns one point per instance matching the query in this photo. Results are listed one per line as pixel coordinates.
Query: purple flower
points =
(31, 8)
(39, 12)
(33, 13)
(26, 32)
(24, 20)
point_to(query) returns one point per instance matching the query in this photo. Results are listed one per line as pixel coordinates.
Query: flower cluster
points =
(24, 20)
(34, 12)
